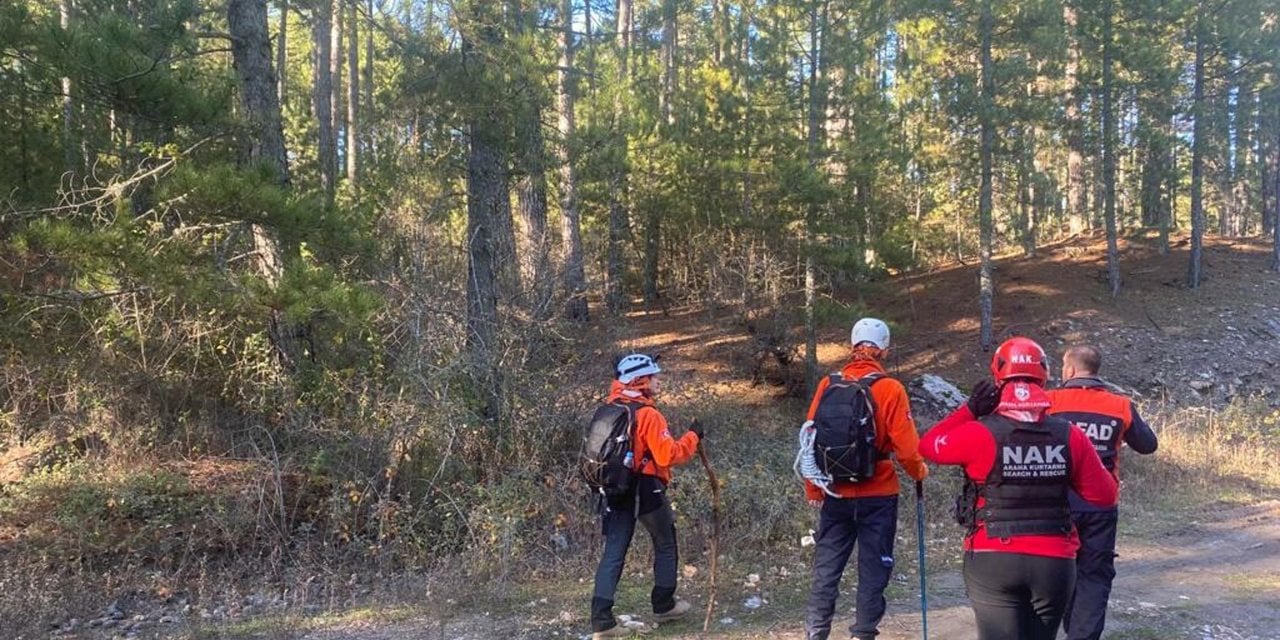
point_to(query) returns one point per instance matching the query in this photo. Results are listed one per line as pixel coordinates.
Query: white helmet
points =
(870, 330)
(636, 365)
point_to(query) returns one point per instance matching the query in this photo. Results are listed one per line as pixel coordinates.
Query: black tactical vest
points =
(1026, 490)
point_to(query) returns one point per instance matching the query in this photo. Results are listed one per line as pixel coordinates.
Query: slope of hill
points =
(1198, 553)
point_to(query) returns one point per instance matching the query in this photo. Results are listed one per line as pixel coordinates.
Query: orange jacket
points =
(653, 438)
(895, 431)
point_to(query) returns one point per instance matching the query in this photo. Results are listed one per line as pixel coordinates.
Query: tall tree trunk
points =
(1168, 208)
(666, 115)
(1197, 154)
(1275, 184)
(70, 141)
(1026, 212)
(531, 188)
(1153, 168)
(260, 103)
(669, 37)
(816, 112)
(720, 27)
(652, 254)
(488, 201)
(986, 280)
(618, 224)
(366, 132)
(747, 131)
(485, 188)
(575, 281)
(1222, 108)
(282, 53)
(322, 97)
(588, 43)
(336, 60)
(352, 141)
(1268, 154)
(1244, 120)
(1168, 211)
(1074, 125)
(1108, 152)
(1097, 209)
(259, 100)
(1026, 179)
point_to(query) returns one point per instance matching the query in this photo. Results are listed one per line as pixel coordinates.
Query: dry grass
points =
(1206, 456)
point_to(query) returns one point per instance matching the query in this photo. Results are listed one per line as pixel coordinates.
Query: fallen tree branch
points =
(103, 196)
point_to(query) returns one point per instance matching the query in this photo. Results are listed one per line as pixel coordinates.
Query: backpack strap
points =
(633, 408)
(866, 382)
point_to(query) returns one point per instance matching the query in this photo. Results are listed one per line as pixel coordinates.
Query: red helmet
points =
(1020, 358)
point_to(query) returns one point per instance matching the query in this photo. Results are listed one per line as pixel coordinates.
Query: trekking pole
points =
(924, 599)
(715, 534)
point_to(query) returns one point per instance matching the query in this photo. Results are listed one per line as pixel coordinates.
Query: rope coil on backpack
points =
(806, 466)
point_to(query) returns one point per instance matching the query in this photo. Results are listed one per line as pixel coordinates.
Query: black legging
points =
(1017, 596)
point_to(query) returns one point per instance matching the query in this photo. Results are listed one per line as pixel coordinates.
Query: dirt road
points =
(1212, 580)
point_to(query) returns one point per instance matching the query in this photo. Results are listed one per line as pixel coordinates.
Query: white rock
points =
(728, 621)
(753, 603)
(807, 541)
(938, 390)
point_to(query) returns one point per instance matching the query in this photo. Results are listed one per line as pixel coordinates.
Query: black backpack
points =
(844, 445)
(607, 450)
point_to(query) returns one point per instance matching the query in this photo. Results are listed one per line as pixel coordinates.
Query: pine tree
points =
(986, 116)
(1198, 110)
(575, 282)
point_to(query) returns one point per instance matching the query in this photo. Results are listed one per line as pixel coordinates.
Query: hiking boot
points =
(682, 607)
(616, 631)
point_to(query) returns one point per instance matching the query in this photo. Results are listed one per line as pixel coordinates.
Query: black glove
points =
(984, 398)
(697, 428)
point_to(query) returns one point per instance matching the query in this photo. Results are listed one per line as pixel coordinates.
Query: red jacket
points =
(653, 438)
(961, 440)
(895, 431)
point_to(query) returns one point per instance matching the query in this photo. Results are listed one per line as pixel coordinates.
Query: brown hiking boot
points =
(616, 631)
(682, 607)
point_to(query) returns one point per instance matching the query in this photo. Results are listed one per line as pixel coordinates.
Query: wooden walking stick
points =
(715, 534)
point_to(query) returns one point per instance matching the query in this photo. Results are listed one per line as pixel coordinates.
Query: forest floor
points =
(1197, 561)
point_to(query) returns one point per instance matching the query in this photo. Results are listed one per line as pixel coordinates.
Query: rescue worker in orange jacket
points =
(866, 512)
(655, 453)
(1109, 420)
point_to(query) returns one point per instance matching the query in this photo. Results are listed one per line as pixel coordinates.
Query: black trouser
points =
(1017, 596)
(1095, 569)
(619, 523)
(872, 523)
